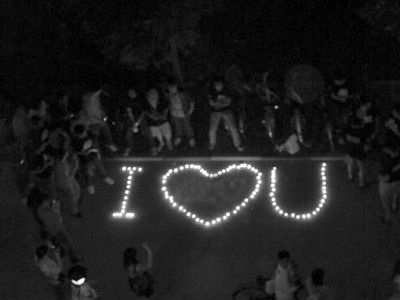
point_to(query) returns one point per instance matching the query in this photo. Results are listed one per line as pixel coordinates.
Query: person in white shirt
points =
(283, 283)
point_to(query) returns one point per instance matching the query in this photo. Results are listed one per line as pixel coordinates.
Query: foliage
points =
(151, 38)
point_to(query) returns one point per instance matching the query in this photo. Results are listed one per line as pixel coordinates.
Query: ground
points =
(192, 262)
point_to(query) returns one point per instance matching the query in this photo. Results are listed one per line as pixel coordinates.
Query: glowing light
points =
(225, 216)
(123, 214)
(293, 215)
(78, 282)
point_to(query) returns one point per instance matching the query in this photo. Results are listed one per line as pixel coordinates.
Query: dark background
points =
(51, 43)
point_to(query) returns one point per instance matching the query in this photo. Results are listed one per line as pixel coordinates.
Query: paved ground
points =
(193, 263)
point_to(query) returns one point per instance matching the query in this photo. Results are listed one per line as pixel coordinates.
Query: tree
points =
(160, 36)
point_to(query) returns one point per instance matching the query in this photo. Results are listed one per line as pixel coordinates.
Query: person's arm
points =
(226, 101)
(191, 104)
(309, 287)
(296, 96)
(130, 114)
(92, 292)
(191, 107)
(58, 258)
(138, 122)
(141, 267)
(149, 255)
(165, 112)
(152, 116)
(211, 100)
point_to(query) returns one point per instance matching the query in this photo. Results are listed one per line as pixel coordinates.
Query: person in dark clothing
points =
(60, 110)
(50, 215)
(132, 110)
(339, 106)
(156, 116)
(88, 156)
(357, 137)
(220, 102)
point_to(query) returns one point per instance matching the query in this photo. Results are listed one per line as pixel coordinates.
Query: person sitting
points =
(139, 279)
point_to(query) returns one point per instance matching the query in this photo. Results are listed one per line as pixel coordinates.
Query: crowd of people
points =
(60, 149)
(286, 283)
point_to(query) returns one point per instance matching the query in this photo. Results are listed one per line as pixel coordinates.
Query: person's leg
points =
(88, 173)
(385, 190)
(129, 141)
(178, 128)
(102, 129)
(157, 135)
(99, 167)
(361, 171)
(166, 132)
(76, 195)
(146, 133)
(188, 129)
(349, 161)
(215, 118)
(231, 124)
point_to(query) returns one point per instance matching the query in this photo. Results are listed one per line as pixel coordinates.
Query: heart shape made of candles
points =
(225, 216)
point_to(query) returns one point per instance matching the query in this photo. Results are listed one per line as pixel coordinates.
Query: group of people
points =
(60, 151)
(286, 283)
(164, 116)
(59, 156)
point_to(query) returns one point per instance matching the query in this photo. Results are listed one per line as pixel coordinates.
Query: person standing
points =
(93, 114)
(220, 102)
(181, 109)
(135, 123)
(283, 282)
(357, 137)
